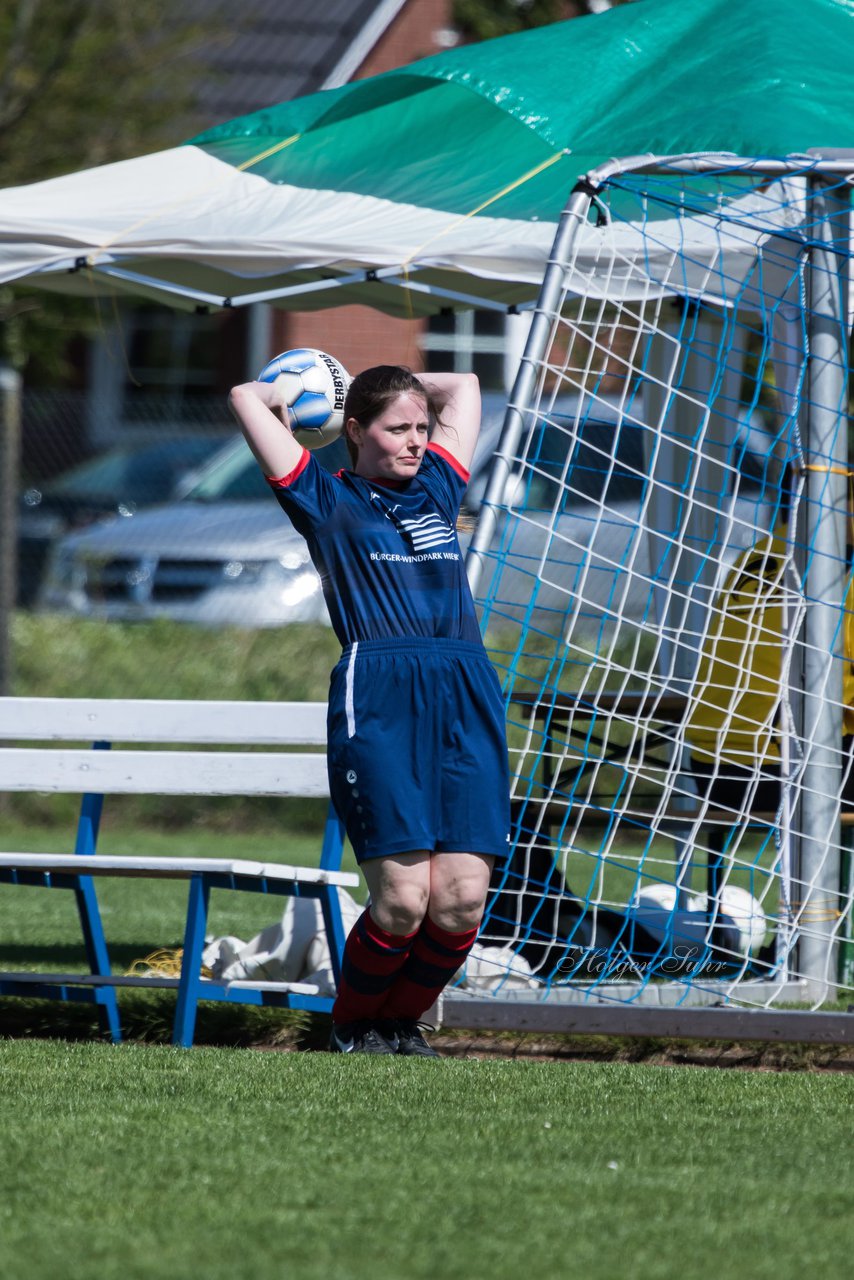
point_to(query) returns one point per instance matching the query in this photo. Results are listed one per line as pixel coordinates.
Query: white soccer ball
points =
(490, 968)
(661, 897)
(744, 911)
(736, 904)
(314, 387)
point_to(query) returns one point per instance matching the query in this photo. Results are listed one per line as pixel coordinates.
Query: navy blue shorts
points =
(417, 749)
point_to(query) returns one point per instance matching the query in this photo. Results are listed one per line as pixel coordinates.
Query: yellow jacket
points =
(734, 707)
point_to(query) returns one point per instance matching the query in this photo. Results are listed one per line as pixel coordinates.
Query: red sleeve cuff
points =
(284, 482)
(451, 461)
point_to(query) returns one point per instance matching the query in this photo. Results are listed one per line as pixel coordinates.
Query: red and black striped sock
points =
(372, 960)
(435, 957)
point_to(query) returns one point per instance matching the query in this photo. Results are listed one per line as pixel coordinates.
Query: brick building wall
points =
(361, 336)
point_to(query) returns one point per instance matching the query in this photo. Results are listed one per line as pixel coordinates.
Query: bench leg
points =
(333, 841)
(330, 905)
(86, 843)
(334, 925)
(190, 984)
(97, 956)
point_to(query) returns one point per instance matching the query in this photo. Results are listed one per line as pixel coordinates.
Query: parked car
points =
(226, 554)
(223, 554)
(118, 482)
(577, 546)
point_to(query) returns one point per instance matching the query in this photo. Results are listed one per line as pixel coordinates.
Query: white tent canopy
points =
(182, 227)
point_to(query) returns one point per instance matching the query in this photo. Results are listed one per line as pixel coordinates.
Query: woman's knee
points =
(458, 891)
(457, 916)
(399, 893)
(400, 911)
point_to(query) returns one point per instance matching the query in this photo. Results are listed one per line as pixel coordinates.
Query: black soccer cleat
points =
(410, 1041)
(360, 1037)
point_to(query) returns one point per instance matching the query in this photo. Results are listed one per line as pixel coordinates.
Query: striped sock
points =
(372, 960)
(435, 957)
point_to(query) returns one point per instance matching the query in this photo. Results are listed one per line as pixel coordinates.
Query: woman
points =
(416, 739)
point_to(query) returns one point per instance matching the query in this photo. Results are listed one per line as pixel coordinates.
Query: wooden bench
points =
(99, 769)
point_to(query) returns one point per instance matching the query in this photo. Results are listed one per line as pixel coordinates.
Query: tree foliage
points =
(484, 19)
(83, 83)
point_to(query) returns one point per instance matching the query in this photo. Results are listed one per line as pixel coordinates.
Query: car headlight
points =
(289, 579)
(247, 572)
(293, 577)
(301, 587)
(294, 558)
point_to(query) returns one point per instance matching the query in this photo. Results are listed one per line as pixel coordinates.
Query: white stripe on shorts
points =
(349, 704)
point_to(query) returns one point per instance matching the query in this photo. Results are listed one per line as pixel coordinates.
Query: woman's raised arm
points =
(460, 418)
(260, 410)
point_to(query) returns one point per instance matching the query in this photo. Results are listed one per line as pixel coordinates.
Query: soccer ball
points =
(737, 906)
(744, 911)
(661, 897)
(314, 386)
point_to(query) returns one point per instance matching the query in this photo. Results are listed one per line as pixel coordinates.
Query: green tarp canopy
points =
(754, 77)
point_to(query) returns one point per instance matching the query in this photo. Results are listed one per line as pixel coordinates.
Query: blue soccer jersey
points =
(388, 556)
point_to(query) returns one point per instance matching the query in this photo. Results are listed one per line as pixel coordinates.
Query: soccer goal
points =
(663, 563)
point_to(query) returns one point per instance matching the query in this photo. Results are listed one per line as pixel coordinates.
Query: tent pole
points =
(10, 449)
(524, 387)
(825, 432)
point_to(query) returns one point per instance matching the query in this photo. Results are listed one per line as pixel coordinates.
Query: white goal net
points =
(663, 566)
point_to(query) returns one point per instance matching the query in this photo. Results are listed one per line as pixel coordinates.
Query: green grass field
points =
(151, 1162)
(141, 1161)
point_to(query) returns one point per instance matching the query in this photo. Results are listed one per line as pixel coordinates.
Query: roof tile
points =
(276, 50)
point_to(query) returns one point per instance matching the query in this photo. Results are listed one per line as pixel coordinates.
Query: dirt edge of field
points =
(533, 1047)
(149, 1021)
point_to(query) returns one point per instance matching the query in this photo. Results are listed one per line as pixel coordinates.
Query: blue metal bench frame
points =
(191, 986)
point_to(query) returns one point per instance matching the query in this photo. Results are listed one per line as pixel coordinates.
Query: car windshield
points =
(142, 475)
(608, 464)
(592, 475)
(236, 477)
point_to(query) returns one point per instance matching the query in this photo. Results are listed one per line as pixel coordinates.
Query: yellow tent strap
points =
(511, 186)
(104, 247)
(271, 151)
(829, 471)
(819, 910)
